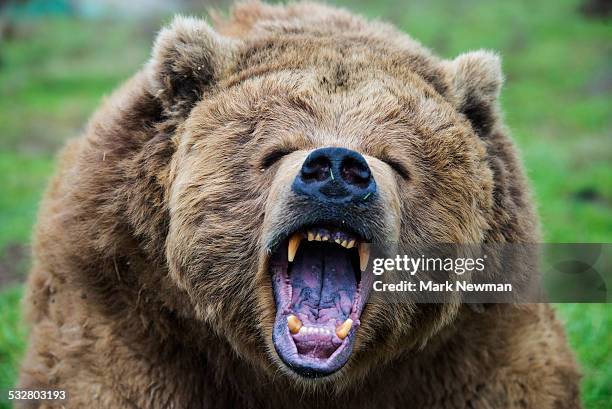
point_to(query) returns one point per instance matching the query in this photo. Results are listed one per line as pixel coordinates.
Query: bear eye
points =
(274, 156)
(398, 167)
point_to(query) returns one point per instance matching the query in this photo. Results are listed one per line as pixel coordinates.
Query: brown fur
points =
(150, 286)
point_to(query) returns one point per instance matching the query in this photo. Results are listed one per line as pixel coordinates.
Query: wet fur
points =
(149, 286)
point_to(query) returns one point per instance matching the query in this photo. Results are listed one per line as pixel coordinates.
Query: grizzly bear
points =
(206, 242)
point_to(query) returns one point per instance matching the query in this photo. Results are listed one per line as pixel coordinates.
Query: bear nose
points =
(335, 175)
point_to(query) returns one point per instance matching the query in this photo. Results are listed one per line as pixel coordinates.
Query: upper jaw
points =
(354, 225)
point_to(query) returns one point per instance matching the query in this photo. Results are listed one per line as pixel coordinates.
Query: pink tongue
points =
(324, 284)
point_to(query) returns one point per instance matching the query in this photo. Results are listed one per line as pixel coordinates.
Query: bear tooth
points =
(344, 243)
(294, 244)
(351, 244)
(310, 236)
(294, 324)
(325, 238)
(338, 241)
(318, 237)
(343, 330)
(364, 255)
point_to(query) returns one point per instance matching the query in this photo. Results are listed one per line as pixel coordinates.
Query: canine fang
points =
(294, 324)
(344, 329)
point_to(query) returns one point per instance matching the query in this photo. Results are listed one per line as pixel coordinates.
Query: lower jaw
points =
(306, 366)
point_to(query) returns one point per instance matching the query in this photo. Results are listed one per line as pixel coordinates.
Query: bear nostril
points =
(317, 169)
(355, 172)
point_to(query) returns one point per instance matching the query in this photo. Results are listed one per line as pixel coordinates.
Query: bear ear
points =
(476, 79)
(188, 57)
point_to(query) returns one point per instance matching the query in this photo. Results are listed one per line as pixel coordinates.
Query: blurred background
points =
(59, 58)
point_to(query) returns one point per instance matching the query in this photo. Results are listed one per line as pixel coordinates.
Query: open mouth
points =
(318, 278)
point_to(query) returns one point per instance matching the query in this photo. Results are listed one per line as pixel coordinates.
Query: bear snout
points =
(335, 175)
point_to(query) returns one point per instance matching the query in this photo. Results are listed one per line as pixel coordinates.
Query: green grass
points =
(55, 72)
(588, 329)
(22, 178)
(556, 100)
(12, 336)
